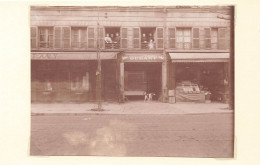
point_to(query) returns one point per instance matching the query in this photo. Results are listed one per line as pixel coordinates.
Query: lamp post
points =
(98, 72)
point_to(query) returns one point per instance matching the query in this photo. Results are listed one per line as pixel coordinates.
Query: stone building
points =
(176, 52)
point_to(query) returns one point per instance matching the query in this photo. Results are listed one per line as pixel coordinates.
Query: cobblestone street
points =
(199, 135)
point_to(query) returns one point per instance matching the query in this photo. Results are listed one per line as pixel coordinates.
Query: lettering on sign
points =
(143, 58)
(44, 56)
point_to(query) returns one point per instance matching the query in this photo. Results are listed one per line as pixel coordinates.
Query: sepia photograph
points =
(132, 81)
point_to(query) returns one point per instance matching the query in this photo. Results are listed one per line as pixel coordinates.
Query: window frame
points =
(183, 38)
(39, 37)
(80, 30)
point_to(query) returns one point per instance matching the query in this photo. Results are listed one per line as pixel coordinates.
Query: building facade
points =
(179, 53)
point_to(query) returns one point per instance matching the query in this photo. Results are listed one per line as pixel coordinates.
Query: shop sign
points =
(43, 56)
(143, 58)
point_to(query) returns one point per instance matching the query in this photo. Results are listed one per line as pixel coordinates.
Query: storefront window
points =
(80, 82)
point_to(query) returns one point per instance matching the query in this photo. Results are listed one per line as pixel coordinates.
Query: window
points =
(219, 38)
(148, 39)
(80, 81)
(112, 38)
(79, 37)
(171, 37)
(183, 38)
(46, 37)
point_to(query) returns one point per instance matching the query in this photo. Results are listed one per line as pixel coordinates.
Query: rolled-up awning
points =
(199, 57)
(72, 55)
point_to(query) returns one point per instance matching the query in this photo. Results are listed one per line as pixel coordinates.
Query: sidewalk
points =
(131, 107)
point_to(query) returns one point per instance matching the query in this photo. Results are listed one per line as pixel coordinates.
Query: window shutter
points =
(221, 38)
(124, 38)
(101, 37)
(207, 38)
(159, 42)
(228, 38)
(171, 37)
(66, 37)
(57, 37)
(91, 37)
(136, 38)
(83, 38)
(196, 40)
(33, 37)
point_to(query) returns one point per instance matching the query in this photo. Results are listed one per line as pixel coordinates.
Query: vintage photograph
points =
(143, 81)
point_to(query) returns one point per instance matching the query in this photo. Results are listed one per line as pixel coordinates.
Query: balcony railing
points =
(112, 45)
(147, 45)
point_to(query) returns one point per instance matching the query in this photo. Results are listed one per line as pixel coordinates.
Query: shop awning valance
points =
(143, 57)
(199, 57)
(72, 55)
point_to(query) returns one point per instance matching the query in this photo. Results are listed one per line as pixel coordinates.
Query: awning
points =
(199, 57)
(143, 57)
(72, 55)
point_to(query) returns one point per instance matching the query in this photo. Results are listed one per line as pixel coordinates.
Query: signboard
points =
(73, 56)
(143, 58)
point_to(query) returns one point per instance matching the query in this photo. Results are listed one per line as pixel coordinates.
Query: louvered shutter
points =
(196, 40)
(66, 37)
(91, 37)
(33, 37)
(57, 37)
(228, 38)
(221, 38)
(124, 38)
(159, 43)
(171, 37)
(207, 38)
(83, 38)
(101, 38)
(136, 38)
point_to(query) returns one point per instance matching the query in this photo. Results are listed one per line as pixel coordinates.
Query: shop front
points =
(199, 77)
(71, 77)
(142, 72)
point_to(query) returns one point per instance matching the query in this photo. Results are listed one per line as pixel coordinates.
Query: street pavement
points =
(129, 132)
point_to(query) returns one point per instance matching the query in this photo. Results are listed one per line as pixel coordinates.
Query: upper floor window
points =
(79, 37)
(183, 38)
(112, 38)
(216, 38)
(147, 38)
(45, 37)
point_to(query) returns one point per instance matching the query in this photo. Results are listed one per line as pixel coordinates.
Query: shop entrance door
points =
(142, 77)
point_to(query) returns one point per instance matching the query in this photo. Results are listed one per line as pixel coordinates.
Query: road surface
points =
(200, 135)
